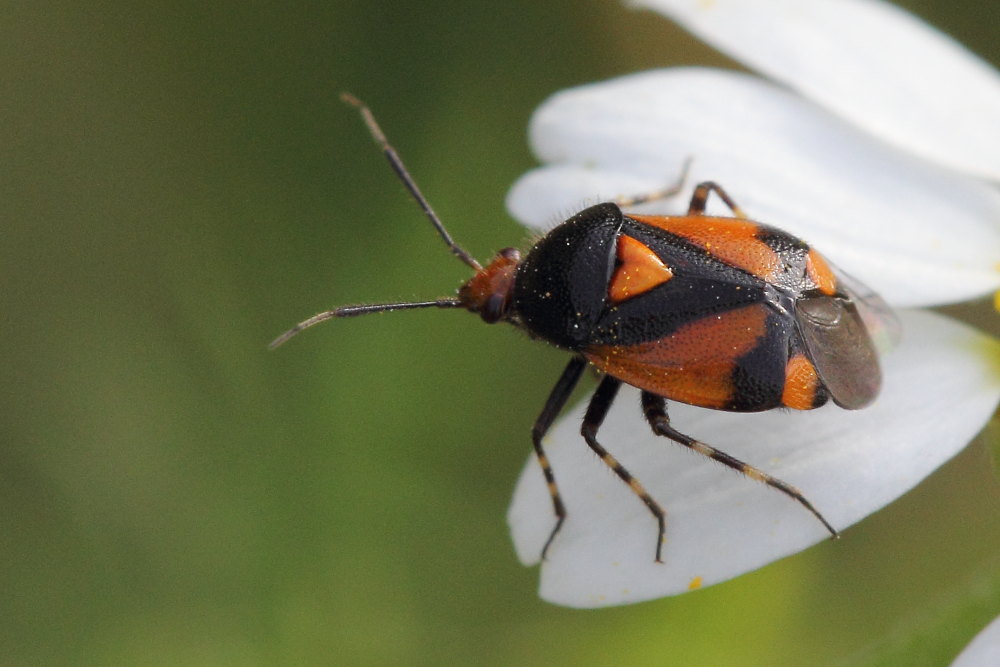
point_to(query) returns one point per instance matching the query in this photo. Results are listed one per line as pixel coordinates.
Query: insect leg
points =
(655, 410)
(557, 399)
(700, 198)
(656, 195)
(600, 403)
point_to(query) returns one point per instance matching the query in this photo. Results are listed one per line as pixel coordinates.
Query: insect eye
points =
(493, 309)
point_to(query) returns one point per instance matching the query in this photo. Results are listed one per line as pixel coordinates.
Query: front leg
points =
(555, 403)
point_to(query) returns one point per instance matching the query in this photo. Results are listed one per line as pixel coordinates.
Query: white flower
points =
(876, 164)
(984, 650)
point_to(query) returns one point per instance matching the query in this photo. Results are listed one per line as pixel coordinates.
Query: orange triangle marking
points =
(639, 270)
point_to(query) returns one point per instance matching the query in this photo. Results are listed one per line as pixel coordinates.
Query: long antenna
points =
(397, 166)
(351, 311)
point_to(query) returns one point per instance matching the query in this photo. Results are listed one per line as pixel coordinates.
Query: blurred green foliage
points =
(180, 184)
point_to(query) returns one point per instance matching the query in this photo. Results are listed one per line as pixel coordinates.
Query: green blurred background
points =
(180, 184)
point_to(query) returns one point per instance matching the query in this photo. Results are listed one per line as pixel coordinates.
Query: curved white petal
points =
(871, 63)
(941, 386)
(984, 651)
(919, 234)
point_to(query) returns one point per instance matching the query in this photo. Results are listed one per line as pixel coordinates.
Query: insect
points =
(718, 312)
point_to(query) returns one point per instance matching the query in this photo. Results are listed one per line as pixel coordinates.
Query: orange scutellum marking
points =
(694, 584)
(820, 273)
(801, 382)
(639, 271)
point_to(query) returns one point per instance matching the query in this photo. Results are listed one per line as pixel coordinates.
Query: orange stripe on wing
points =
(732, 240)
(820, 273)
(694, 364)
(801, 383)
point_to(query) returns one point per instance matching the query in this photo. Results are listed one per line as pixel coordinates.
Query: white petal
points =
(919, 234)
(941, 386)
(984, 651)
(870, 62)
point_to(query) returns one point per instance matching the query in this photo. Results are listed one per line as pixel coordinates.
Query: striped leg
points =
(654, 407)
(557, 399)
(700, 198)
(600, 403)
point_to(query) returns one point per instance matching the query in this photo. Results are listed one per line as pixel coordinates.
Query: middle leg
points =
(600, 403)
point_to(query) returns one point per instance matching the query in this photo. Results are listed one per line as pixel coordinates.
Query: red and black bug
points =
(717, 312)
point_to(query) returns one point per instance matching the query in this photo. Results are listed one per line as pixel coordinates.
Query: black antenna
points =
(362, 309)
(397, 166)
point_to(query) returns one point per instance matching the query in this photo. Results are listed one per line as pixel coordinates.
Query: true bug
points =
(718, 312)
